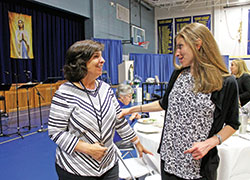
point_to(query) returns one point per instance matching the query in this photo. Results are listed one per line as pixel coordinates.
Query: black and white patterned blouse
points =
(72, 118)
(189, 119)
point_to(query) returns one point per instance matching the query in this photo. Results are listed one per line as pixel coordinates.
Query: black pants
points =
(167, 176)
(112, 174)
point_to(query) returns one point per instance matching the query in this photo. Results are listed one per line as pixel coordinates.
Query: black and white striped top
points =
(72, 117)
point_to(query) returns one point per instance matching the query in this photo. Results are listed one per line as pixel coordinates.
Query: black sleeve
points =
(164, 101)
(245, 96)
(231, 103)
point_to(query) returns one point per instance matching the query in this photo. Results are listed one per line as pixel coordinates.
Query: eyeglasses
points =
(129, 96)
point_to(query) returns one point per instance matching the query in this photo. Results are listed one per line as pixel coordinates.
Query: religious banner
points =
(181, 22)
(20, 36)
(165, 36)
(203, 19)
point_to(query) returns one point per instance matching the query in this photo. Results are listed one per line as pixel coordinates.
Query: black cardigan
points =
(244, 88)
(226, 112)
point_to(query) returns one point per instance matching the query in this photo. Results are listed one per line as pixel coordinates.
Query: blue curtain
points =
(248, 35)
(113, 56)
(149, 65)
(53, 32)
(226, 60)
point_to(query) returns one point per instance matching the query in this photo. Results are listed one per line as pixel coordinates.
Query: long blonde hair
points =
(241, 67)
(208, 64)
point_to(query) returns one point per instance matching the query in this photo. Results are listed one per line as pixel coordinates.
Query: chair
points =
(153, 177)
(133, 168)
(156, 175)
(126, 148)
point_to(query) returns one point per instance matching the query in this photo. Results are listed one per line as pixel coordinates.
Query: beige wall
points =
(225, 26)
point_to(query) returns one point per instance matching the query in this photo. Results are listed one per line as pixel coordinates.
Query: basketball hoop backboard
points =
(137, 35)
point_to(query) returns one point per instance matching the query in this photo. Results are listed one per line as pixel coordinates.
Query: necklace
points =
(99, 121)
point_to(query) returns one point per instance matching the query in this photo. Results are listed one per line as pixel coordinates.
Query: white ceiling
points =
(185, 4)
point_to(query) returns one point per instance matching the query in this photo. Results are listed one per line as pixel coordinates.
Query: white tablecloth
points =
(234, 158)
(234, 152)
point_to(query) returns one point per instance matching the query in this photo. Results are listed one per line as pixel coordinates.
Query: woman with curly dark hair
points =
(83, 118)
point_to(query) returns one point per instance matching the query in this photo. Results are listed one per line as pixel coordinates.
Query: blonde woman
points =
(239, 69)
(201, 107)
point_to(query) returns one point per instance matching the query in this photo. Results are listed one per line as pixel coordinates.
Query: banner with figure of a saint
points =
(20, 36)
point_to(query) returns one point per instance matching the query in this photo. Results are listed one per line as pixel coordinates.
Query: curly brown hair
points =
(76, 59)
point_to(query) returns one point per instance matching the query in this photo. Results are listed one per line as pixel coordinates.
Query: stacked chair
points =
(126, 149)
(135, 167)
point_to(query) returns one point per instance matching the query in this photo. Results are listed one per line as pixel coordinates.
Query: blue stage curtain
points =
(53, 32)
(248, 34)
(149, 65)
(113, 57)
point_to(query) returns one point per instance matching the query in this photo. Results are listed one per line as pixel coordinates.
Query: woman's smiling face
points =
(95, 64)
(183, 52)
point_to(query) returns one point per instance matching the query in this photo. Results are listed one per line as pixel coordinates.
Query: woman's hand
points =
(134, 116)
(142, 150)
(200, 149)
(97, 151)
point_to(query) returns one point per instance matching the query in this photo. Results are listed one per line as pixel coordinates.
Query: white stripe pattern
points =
(72, 117)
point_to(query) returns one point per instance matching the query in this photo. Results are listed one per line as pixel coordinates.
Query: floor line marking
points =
(9, 140)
